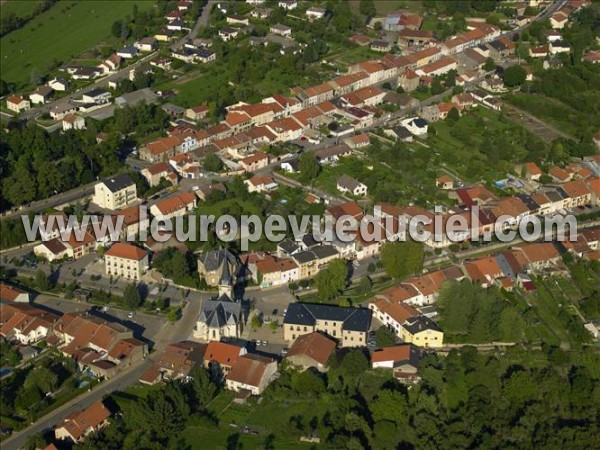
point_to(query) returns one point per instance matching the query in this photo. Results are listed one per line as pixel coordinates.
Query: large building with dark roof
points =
(219, 318)
(348, 325)
(220, 268)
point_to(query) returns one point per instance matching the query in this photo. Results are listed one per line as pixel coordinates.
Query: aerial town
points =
(464, 133)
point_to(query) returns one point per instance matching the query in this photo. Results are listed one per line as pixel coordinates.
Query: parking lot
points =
(144, 326)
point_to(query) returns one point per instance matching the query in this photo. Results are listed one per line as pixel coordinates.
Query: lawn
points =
(20, 8)
(60, 34)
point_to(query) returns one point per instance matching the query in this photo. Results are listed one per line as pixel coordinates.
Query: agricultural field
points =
(58, 35)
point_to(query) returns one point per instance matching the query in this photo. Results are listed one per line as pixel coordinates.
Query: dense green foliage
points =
(401, 259)
(332, 280)
(180, 267)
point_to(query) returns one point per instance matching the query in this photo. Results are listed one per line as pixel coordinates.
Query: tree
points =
(41, 378)
(364, 285)
(514, 76)
(367, 8)
(436, 86)
(453, 115)
(41, 280)
(256, 321)
(489, 65)
(131, 296)
(385, 337)
(354, 363)
(371, 267)
(116, 28)
(173, 315)
(389, 405)
(309, 166)
(213, 163)
(401, 259)
(332, 280)
(307, 383)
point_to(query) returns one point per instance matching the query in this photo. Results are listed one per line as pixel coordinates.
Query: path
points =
(202, 21)
(544, 130)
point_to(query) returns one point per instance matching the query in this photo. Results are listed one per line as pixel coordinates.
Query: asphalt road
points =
(203, 21)
(167, 334)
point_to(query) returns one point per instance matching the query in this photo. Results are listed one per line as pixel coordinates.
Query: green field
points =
(60, 34)
(20, 8)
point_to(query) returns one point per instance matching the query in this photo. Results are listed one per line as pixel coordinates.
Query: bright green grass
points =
(59, 34)
(20, 8)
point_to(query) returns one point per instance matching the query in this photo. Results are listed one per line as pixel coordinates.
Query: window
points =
(304, 328)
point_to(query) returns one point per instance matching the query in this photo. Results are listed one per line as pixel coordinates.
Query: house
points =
(162, 62)
(381, 46)
(287, 4)
(558, 20)
(540, 51)
(255, 162)
(349, 185)
(219, 268)
(161, 149)
(483, 270)
(332, 154)
(261, 13)
(176, 25)
(110, 64)
(269, 271)
(25, 323)
(147, 44)
(73, 122)
(220, 318)
(559, 175)
(414, 38)
(196, 113)
(291, 166)
(96, 95)
(128, 52)
(176, 205)
(592, 57)
(10, 293)
(529, 170)
(41, 95)
(311, 350)
(228, 33)
(401, 20)
(220, 357)
(348, 325)
(53, 250)
(438, 67)
(416, 125)
(17, 103)
(157, 172)
(315, 13)
(403, 359)
(59, 84)
(422, 331)
(358, 141)
(126, 261)
(177, 362)
(115, 193)
(444, 182)
(79, 424)
(261, 184)
(235, 19)
(281, 30)
(86, 73)
(164, 35)
(408, 80)
(251, 373)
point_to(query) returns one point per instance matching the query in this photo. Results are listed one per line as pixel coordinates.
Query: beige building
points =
(115, 193)
(126, 260)
(251, 373)
(422, 332)
(220, 318)
(348, 325)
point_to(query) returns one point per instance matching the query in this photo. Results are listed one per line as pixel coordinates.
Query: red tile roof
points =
(314, 345)
(126, 251)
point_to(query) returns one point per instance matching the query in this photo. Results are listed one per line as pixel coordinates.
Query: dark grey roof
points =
(354, 319)
(304, 257)
(217, 312)
(529, 202)
(505, 266)
(95, 92)
(420, 122)
(420, 323)
(348, 182)
(402, 132)
(214, 259)
(553, 195)
(324, 251)
(309, 240)
(118, 182)
(288, 246)
(498, 45)
(204, 53)
(562, 192)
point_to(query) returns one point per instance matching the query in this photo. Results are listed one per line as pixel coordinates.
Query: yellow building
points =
(115, 193)
(421, 331)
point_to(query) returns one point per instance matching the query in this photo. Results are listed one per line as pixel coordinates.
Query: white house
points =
(128, 52)
(314, 13)
(416, 125)
(73, 122)
(17, 103)
(252, 373)
(347, 184)
(41, 95)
